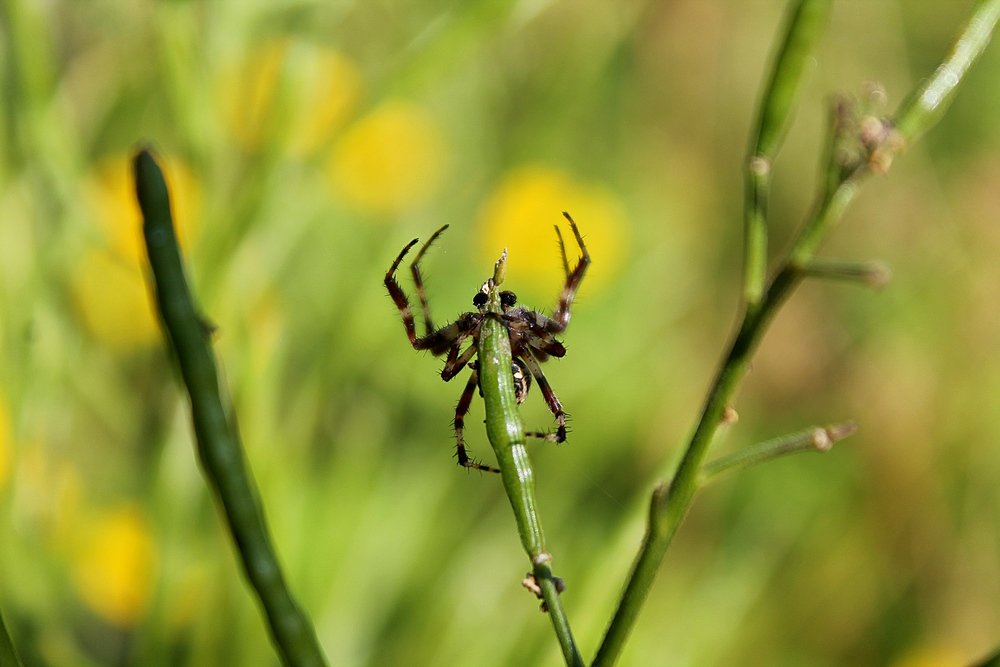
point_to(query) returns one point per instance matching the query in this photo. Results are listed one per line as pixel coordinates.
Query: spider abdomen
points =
(522, 380)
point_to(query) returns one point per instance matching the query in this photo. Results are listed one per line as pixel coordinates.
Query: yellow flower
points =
(520, 215)
(294, 92)
(113, 301)
(107, 284)
(115, 567)
(329, 88)
(389, 160)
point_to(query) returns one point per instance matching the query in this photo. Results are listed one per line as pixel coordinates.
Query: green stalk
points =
(670, 502)
(8, 655)
(219, 448)
(804, 28)
(506, 434)
(925, 105)
(870, 274)
(815, 439)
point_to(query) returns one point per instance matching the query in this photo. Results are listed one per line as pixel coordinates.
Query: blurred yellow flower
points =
(115, 568)
(113, 301)
(520, 215)
(107, 284)
(389, 160)
(291, 92)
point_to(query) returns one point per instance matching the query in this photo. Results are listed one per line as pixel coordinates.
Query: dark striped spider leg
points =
(533, 334)
(532, 338)
(448, 338)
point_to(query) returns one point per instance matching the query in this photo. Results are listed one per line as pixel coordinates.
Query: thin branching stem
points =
(506, 434)
(870, 273)
(671, 500)
(804, 28)
(816, 439)
(219, 448)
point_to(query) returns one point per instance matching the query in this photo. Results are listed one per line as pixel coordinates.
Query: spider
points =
(532, 338)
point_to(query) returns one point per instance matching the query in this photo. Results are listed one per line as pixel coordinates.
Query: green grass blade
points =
(219, 447)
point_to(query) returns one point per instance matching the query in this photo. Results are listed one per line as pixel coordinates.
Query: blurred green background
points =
(306, 143)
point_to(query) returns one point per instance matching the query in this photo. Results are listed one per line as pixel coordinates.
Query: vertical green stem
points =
(803, 29)
(506, 434)
(219, 447)
(8, 655)
(505, 431)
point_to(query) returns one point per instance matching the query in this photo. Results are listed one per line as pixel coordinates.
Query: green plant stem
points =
(505, 431)
(871, 274)
(803, 29)
(816, 439)
(925, 105)
(219, 447)
(8, 655)
(670, 502)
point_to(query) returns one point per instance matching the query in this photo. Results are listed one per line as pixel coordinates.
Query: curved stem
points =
(219, 447)
(506, 434)
(8, 655)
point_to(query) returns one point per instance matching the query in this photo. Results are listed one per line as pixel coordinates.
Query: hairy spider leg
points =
(460, 411)
(436, 341)
(418, 280)
(543, 348)
(550, 399)
(399, 297)
(573, 278)
(456, 361)
(562, 251)
(541, 338)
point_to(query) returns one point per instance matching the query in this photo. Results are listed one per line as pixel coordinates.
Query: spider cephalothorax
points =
(532, 337)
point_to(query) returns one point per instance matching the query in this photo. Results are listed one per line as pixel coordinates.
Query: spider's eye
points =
(479, 300)
(507, 299)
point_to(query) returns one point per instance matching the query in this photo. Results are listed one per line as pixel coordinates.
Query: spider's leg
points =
(460, 411)
(399, 296)
(550, 399)
(450, 335)
(529, 327)
(436, 341)
(562, 251)
(573, 278)
(455, 361)
(542, 337)
(418, 280)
